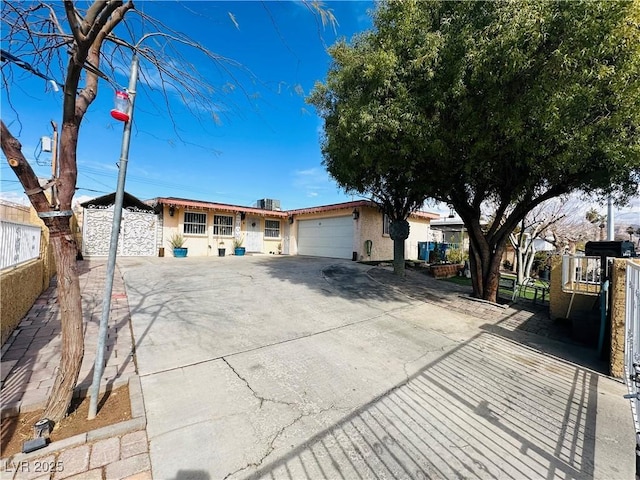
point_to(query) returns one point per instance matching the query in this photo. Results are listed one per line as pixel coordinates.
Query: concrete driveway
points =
(294, 367)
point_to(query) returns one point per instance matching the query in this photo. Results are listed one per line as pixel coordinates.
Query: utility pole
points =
(98, 368)
(610, 220)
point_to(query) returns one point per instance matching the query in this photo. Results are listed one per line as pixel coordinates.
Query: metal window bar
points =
(195, 223)
(581, 275)
(223, 225)
(272, 228)
(19, 243)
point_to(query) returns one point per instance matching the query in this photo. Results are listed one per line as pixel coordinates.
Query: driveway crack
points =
(258, 397)
(270, 447)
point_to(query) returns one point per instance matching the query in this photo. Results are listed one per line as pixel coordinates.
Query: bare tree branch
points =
(71, 19)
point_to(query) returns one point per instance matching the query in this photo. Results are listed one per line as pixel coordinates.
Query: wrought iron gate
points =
(632, 349)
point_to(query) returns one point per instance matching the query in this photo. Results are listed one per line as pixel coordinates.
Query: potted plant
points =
(177, 242)
(238, 249)
(221, 248)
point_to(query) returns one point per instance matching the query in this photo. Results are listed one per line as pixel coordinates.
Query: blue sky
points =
(267, 142)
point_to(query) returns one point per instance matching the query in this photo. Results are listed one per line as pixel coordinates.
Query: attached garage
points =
(326, 237)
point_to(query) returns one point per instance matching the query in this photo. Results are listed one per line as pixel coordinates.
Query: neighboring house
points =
(353, 230)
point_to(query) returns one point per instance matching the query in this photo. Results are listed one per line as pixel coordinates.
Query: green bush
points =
(456, 255)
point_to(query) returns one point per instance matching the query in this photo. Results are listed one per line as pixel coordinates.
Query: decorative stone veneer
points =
(618, 311)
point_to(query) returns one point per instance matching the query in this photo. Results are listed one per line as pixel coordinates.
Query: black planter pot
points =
(221, 252)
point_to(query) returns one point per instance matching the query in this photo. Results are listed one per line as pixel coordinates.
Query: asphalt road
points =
(294, 367)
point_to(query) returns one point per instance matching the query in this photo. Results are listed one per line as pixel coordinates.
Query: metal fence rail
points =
(19, 243)
(581, 275)
(632, 348)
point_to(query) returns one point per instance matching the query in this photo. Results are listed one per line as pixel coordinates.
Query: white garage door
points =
(326, 237)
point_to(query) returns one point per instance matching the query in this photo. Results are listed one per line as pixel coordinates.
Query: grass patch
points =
(528, 293)
(458, 280)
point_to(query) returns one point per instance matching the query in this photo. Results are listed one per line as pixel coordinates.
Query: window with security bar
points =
(195, 223)
(386, 222)
(223, 225)
(272, 228)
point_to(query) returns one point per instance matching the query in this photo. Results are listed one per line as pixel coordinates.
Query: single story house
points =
(354, 230)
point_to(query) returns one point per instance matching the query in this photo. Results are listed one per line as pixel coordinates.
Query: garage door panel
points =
(326, 237)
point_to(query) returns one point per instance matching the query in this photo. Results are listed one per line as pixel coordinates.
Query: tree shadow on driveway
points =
(489, 408)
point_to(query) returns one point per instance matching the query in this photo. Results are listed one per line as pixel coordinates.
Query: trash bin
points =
(423, 251)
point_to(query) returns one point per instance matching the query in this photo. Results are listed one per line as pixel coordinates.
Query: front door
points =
(253, 242)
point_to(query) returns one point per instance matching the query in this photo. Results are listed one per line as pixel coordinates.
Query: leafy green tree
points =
(510, 103)
(369, 134)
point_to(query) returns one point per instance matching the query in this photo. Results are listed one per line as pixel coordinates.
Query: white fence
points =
(19, 243)
(581, 274)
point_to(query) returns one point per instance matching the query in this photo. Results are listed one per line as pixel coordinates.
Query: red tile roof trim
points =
(275, 213)
(219, 206)
(354, 204)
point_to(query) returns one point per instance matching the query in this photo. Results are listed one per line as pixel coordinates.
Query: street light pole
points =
(98, 368)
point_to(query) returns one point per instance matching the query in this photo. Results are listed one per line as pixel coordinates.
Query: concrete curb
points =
(137, 422)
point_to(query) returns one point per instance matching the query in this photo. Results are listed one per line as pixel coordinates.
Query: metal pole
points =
(98, 368)
(610, 220)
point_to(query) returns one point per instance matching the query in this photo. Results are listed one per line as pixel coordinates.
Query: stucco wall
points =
(208, 244)
(618, 310)
(370, 228)
(18, 291)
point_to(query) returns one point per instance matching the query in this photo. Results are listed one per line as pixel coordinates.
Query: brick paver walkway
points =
(28, 365)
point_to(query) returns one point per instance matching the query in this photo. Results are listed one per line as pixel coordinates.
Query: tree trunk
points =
(398, 257)
(399, 232)
(72, 348)
(484, 261)
(64, 251)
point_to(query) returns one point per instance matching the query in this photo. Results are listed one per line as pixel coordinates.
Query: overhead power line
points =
(7, 57)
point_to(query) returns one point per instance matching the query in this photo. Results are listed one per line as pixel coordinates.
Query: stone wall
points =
(618, 310)
(18, 291)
